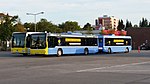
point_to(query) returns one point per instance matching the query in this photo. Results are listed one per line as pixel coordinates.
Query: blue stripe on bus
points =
(116, 48)
(72, 50)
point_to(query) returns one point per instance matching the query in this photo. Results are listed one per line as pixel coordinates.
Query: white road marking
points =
(122, 71)
(100, 68)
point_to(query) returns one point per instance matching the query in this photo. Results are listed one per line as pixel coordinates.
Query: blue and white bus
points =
(112, 43)
(60, 44)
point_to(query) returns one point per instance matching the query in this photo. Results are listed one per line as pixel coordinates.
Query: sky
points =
(81, 11)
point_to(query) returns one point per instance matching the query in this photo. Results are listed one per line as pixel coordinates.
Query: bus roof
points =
(113, 36)
(27, 33)
(19, 32)
(72, 35)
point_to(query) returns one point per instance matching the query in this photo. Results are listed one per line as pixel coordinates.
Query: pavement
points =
(117, 68)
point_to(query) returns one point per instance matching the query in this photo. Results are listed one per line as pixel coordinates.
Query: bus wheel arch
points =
(59, 52)
(86, 51)
(127, 50)
(109, 51)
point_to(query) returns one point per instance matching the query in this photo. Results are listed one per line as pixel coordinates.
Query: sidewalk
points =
(140, 51)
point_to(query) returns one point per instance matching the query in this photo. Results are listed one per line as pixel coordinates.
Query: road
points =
(118, 68)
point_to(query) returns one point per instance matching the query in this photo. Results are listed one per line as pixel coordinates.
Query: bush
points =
(4, 47)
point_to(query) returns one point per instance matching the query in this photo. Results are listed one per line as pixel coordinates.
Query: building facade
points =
(2, 15)
(106, 22)
(140, 37)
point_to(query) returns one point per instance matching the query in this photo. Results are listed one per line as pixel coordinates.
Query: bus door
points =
(52, 43)
(100, 44)
(28, 44)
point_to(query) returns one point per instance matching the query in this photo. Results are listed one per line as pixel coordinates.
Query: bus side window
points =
(94, 42)
(63, 43)
(109, 42)
(52, 42)
(106, 42)
(83, 41)
(128, 42)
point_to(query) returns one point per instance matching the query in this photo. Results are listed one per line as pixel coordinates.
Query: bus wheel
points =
(59, 52)
(25, 54)
(127, 50)
(86, 51)
(109, 51)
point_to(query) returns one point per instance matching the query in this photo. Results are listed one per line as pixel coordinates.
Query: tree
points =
(87, 27)
(144, 23)
(69, 26)
(140, 24)
(135, 26)
(44, 25)
(120, 25)
(128, 24)
(29, 26)
(19, 27)
(7, 27)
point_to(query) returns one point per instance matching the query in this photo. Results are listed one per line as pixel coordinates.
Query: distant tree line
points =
(10, 24)
(122, 26)
(143, 23)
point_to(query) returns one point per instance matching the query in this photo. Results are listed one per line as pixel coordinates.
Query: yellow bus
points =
(21, 43)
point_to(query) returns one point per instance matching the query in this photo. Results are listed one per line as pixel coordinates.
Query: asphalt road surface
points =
(118, 68)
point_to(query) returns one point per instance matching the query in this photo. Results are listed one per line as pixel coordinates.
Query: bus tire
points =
(59, 52)
(25, 54)
(109, 51)
(127, 50)
(86, 51)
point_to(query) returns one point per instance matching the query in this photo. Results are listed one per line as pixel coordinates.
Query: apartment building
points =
(106, 22)
(2, 17)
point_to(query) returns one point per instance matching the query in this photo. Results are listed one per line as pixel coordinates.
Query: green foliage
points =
(7, 27)
(19, 27)
(43, 25)
(120, 25)
(135, 26)
(69, 26)
(144, 23)
(31, 26)
(128, 24)
(88, 27)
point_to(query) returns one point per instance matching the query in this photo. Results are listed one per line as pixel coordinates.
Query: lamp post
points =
(35, 14)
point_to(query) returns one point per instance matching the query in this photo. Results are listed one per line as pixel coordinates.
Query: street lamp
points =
(34, 14)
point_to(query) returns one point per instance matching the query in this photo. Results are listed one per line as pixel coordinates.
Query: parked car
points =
(144, 47)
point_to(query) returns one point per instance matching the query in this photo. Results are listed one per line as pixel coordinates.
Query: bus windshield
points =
(38, 41)
(18, 40)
